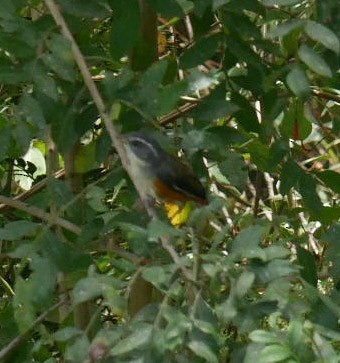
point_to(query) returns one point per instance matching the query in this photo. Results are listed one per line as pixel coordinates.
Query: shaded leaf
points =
(322, 34)
(314, 61)
(298, 83)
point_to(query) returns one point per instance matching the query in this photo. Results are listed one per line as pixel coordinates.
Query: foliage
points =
(249, 91)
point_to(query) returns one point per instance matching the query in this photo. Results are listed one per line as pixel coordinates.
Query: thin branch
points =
(326, 95)
(36, 212)
(36, 188)
(17, 340)
(174, 115)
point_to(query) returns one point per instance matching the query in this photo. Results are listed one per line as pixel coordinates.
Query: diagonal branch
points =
(36, 212)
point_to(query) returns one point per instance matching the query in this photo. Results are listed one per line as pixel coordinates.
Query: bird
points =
(159, 174)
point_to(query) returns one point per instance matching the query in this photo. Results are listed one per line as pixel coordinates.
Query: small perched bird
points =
(159, 174)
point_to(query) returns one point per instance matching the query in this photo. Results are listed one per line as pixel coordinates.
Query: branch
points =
(36, 212)
(17, 340)
(35, 189)
(326, 95)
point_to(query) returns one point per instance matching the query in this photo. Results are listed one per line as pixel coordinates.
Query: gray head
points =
(145, 147)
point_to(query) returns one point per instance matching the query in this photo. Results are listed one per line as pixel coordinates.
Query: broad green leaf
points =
(168, 9)
(245, 115)
(66, 334)
(45, 84)
(215, 106)
(86, 289)
(331, 179)
(275, 269)
(274, 353)
(5, 137)
(18, 229)
(202, 350)
(315, 62)
(278, 290)
(244, 283)
(298, 83)
(234, 169)
(95, 197)
(78, 351)
(308, 263)
(290, 176)
(123, 37)
(307, 188)
(201, 51)
(322, 34)
(43, 280)
(24, 311)
(13, 75)
(79, 8)
(284, 28)
(136, 339)
(263, 336)
(246, 244)
(281, 2)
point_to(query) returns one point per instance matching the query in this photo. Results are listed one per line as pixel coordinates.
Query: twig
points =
(36, 188)
(36, 212)
(174, 115)
(326, 95)
(13, 343)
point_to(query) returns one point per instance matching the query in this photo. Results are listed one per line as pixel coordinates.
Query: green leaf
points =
(201, 51)
(235, 170)
(290, 176)
(78, 351)
(18, 229)
(203, 350)
(280, 2)
(284, 28)
(331, 179)
(244, 283)
(13, 75)
(307, 188)
(123, 37)
(29, 108)
(308, 263)
(91, 9)
(298, 83)
(138, 338)
(24, 311)
(274, 353)
(215, 106)
(263, 336)
(66, 334)
(168, 9)
(314, 61)
(246, 244)
(322, 34)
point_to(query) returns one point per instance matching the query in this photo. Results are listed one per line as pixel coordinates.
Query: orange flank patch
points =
(170, 195)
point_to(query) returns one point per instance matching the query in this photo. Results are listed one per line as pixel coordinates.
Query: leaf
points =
(314, 61)
(298, 83)
(308, 263)
(235, 170)
(284, 28)
(13, 75)
(201, 51)
(86, 289)
(66, 334)
(203, 350)
(290, 176)
(15, 230)
(246, 244)
(138, 338)
(78, 351)
(307, 188)
(244, 283)
(274, 353)
(322, 34)
(168, 9)
(123, 37)
(24, 311)
(331, 179)
(280, 2)
(263, 336)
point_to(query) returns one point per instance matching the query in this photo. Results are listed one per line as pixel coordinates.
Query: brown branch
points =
(326, 95)
(174, 115)
(36, 212)
(36, 188)
(17, 340)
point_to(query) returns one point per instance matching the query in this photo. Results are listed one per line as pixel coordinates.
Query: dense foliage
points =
(249, 92)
